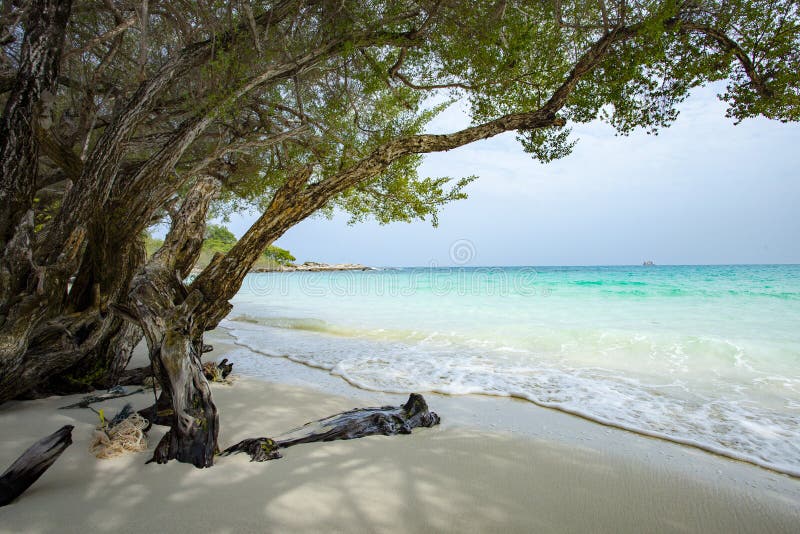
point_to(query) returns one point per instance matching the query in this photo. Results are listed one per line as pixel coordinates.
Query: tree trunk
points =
(194, 425)
(164, 308)
(68, 344)
(26, 109)
(165, 313)
(81, 364)
(27, 311)
(23, 286)
(33, 463)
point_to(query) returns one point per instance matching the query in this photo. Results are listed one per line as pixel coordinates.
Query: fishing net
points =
(123, 437)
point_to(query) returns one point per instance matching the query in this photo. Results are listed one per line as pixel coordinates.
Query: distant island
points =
(218, 239)
(648, 263)
(313, 266)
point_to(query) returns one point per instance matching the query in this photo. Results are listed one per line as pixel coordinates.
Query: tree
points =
(218, 239)
(219, 234)
(151, 244)
(295, 107)
(279, 255)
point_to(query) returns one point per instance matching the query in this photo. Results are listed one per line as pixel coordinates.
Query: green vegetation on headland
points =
(219, 239)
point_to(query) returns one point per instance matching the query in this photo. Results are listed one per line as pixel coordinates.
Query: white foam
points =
(722, 418)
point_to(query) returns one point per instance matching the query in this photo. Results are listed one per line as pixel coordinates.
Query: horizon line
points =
(464, 266)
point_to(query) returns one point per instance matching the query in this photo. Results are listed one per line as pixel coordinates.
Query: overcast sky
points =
(701, 192)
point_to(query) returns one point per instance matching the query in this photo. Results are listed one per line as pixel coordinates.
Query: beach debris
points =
(32, 463)
(123, 434)
(116, 392)
(353, 424)
(218, 372)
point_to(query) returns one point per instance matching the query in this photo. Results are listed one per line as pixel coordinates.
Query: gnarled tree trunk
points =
(26, 109)
(24, 286)
(164, 308)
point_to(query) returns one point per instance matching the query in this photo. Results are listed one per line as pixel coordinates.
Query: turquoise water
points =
(702, 355)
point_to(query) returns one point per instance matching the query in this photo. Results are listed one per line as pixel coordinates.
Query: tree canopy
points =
(279, 255)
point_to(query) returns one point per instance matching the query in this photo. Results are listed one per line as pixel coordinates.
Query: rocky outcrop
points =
(315, 267)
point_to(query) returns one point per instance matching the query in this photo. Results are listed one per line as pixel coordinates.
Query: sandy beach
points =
(571, 227)
(493, 465)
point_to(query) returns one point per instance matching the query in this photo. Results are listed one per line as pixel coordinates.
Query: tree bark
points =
(164, 308)
(22, 284)
(97, 362)
(48, 348)
(36, 78)
(27, 309)
(33, 463)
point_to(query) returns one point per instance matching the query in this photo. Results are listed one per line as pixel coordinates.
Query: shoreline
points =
(322, 375)
(493, 464)
(511, 414)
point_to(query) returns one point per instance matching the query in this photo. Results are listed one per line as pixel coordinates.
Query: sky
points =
(704, 191)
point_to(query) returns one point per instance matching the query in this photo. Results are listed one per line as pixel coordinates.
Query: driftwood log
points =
(387, 421)
(113, 393)
(33, 462)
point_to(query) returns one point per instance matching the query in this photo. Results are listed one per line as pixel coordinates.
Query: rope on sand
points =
(126, 436)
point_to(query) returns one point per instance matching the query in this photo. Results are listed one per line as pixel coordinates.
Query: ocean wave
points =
(721, 418)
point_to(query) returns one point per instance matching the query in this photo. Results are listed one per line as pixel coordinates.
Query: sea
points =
(706, 356)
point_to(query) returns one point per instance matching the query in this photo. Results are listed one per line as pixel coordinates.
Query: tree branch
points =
(729, 45)
(107, 36)
(220, 280)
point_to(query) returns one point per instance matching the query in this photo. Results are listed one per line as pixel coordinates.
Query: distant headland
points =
(314, 266)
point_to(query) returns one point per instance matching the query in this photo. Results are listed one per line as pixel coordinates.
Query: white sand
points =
(552, 473)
